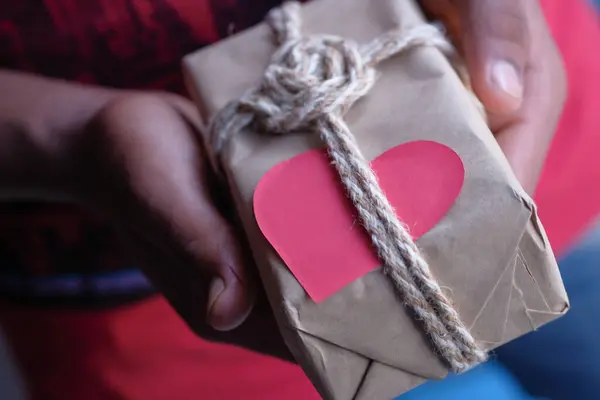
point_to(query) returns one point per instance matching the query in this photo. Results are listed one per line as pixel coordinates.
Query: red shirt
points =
(141, 349)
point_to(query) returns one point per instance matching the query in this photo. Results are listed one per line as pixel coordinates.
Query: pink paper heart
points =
(302, 210)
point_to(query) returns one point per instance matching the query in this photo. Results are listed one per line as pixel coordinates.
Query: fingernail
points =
(507, 78)
(217, 286)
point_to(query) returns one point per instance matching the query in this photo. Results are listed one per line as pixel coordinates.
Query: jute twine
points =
(311, 82)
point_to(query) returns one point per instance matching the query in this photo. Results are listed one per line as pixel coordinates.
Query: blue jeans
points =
(561, 361)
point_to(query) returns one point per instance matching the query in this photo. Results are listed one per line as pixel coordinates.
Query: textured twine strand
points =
(309, 85)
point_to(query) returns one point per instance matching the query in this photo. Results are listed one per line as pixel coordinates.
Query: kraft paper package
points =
(440, 168)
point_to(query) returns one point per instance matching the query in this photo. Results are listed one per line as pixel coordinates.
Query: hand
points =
(137, 159)
(516, 72)
(144, 167)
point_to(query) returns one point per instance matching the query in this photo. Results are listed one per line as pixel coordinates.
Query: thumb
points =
(202, 229)
(496, 47)
(174, 205)
(231, 293)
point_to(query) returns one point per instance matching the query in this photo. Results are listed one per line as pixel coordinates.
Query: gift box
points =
(392, 238)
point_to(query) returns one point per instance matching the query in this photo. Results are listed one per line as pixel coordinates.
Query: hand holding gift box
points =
(413, 155)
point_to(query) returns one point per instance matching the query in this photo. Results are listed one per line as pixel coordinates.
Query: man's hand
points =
(149, 174)
(137, 159)
(144, 166)
(516, 72)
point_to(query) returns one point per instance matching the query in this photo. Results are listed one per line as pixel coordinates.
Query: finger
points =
(526, 137)
(166, 173)
(496, 47)
(213, 242)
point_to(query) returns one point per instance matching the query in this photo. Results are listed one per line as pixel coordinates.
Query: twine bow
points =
(311, 82)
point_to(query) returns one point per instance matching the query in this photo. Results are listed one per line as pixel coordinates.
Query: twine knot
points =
(309, 85)
(308, 79)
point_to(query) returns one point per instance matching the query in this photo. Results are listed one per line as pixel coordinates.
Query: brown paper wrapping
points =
(490, 250)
